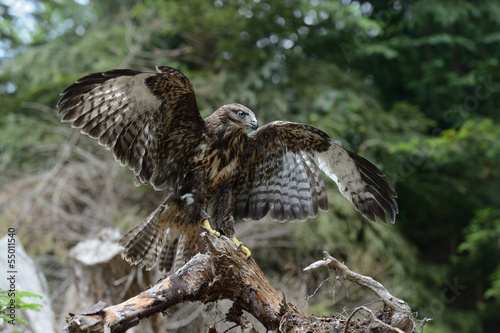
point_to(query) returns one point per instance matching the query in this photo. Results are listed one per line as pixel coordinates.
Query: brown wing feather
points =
(150, 119)
(282, 176)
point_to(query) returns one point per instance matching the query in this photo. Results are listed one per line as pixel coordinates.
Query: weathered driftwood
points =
(401, 315)
(224, 273)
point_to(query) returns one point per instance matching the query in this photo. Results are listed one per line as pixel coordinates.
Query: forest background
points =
(411, 85)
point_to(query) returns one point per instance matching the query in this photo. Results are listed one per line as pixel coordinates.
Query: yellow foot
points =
(239, 244)
(243, 248)
(207, 225)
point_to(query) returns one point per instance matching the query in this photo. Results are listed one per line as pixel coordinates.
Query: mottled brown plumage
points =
(152, 123)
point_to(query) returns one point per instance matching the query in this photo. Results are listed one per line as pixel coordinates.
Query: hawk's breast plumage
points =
(152, 123)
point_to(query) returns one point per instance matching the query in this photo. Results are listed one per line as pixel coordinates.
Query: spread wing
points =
(151, 120)
(282, 176)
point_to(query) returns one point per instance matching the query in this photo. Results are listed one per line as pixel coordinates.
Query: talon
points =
(243, 248)
(207, 225)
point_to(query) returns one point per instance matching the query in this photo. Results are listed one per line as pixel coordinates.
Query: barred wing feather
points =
(283, 176)
(151, 120)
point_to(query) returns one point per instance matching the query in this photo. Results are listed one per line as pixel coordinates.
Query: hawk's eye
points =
(242, 114)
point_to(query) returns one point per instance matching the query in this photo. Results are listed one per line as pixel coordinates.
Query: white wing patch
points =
(358, 181)
(337, 165)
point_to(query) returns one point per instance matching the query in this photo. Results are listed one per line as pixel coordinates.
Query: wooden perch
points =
(222, 273)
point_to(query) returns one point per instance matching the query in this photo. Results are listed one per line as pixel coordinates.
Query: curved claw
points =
(243, 248)
(207, 225)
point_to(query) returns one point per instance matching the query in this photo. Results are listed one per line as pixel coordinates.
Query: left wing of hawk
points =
(282, 176)
(151, 120)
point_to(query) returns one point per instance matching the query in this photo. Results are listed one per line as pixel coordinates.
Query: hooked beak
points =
(254, 124)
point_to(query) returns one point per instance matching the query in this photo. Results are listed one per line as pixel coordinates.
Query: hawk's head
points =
(238, 115)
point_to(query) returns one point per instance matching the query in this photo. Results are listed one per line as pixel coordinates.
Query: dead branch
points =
(222, 273)
(401, 318)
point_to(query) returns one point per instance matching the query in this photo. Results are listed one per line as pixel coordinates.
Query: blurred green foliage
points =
(411, 85)
(10, 307)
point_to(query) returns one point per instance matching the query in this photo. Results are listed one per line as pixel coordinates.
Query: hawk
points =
(152, 122)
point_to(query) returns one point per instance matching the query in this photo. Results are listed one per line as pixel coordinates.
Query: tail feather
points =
(163, 238)
(141, 242)
(180, 255)
(178, 252)
(167, 256)
(144, 243)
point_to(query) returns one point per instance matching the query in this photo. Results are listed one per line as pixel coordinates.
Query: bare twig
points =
(38, 106)
(423, 322)
(373, 317)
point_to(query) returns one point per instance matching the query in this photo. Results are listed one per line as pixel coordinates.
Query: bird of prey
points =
(152, 122)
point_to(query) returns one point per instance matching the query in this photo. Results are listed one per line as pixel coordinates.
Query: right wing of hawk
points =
(151, 120)
(282, 176)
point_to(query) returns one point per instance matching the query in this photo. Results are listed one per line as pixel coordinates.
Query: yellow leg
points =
(243, 248)
(239, 244)
(207, 225)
